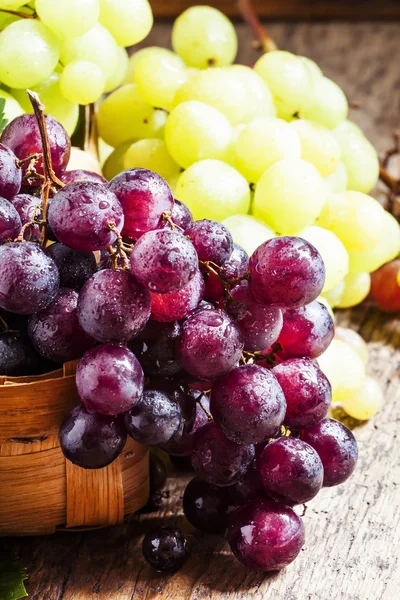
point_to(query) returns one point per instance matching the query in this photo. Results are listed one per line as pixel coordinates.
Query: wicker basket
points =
(40, 491)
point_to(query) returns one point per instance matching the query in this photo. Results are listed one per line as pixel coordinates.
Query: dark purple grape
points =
(157, 474)
(75, 267)
(163, 261)
(307, 391)
(182, 464)
(184, 396)
(157, 349)
(165, 549)
(210, 344)
(235, 267)
(154, 419)
(109, 379)
(184, 446)
(180, 216)
(290, 471)
(22, 135)
(144, 196)
(306, 331)
(10, 222)
(287, 272)
(10, 173)
(79, 175)
(246, 489)
(113, 306)
(206, 505)
(28, 207)
(29, 279)
(337, 449)
(216, 458)
(248, 404)
(91, 441)
(211, 239)
(81, 215)
(16, 353)
(178, 305)
(265, 536)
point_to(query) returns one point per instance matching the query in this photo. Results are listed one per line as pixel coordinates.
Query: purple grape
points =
(178, 305)
(113, 306)
(109, 379)
(248, 404)
(205, 505)
(10, 173)
(287, 272)
(157, 349)
(29, 279)
(55, 331)
(154, 419)
(259, 324)
(81, 214)
(337, 449)
(157, 474)
(184, 446)
(290, 471)
(210, 344)
(235, 267)
(182, 464)
(75, 267)
(164, 261)
(307, 391)
(180, 216)
(91, 441)
(216, 458)
(246, 489)
(144, 196)
(165, 549)
(183, 396)
(79, 175)
(212, 240)
(306, 331)
(10, 222)
(265, 536)
(22, 135)
(28, 207)
(17, 356)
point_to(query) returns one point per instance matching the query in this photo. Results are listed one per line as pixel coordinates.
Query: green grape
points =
(318, 145)
(12, 4)
(354, 340)
(158, 76)
(82, 82)
(344, 368)
(366, 402)
(386, 250)
(104, 151)
(213, 190)
(333, 253)
(115, 161)
(231, 157)
(195, 131)
(29, 52)
(327, 105)
(360, 159)
(68, 18)
(290, 196)
(248, 232)
(337, 181)
(136, 56)
(119, 75)
(348, 126)
(151, 154)
(124, 116)
(173, 182)
(129, 21)
(264, 142)
(333, 295)
(204, 37)
(357, 219)
(12, 107)
(289, 80)
(356, 289)
(312, 67)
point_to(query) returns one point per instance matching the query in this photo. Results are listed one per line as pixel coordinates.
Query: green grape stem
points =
(264, 40)
(18, 13)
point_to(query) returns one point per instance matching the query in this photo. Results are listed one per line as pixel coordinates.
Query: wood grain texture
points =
(352, 548)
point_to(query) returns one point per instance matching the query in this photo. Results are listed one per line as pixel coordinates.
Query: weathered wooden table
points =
(352, 548)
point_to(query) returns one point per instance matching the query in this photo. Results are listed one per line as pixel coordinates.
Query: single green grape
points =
(231, 157)
(114, 163)
(360, 159)
(82, 82)
(366, 402)
(248, 232)
(348, 126)
(12, 107)
(136, 56)
(104, 151)
(12, 4)
(151, 154)
(129, 21)
(68, 18)
(387, 249)
(118, 76)
(337, 181)
(318, 145)
(173, 182)
(354, 340)
(356, 289)
(344, 368)
(334, 294)
(327, 104)
(312, 67)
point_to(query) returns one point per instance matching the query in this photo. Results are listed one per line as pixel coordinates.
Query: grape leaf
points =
(3, 119)
(12, 578)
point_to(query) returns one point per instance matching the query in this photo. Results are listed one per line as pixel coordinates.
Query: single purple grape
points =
(81, 215)
(265, 536)
(184, 446)
(10, 222)
(163, 261)
(109, 379)
(155, 348)
(144, 196)
(91, 441)
(154, 419)
(210, 344)
(10, 173)
(113, 306)
(248, 404)
(181, 216)
(157, 474)
(75, 267)
(178, 305)
(337, 449)
(29, 279)
(28, 207)
(206, 505)
(79, 175)
(235, 267)
(183, 396)
(287, 272)
(22, 135)
(307, 391)
(17, 356)
(246, 489)
(306, 331)
(217, 459)
(211, 239)
(165, 549)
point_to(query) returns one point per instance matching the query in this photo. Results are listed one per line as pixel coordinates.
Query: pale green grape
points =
(104, 151)
(386, 250)
(173, 182)
(12, 4)
(204, 37)
(318, 145)
(151, 154)
(327, 104)
(119, 74)
(136, 56)
(264, 142)
(115, 161)
(348, 126)
(195, 131)
(213, 190)
(12, 107)
(344, 368)
(366, 402)
(124, 116)
(29, 52)
(312, 67)
(333, 253)
(82, 82)
(129, 21)
(231, 157)
(333, 295)
(337, 181)
(360, 159)
(158, 76)
(356, 289)
(259, 101)
(354, 340)
(290, 196)
(68, 18)
(288, 78)
(248, 232)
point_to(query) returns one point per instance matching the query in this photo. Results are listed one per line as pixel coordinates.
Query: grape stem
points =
(264, 40)
(18, 13)
(199, 401)
(120, 248)
(166, 216)
(3, 324)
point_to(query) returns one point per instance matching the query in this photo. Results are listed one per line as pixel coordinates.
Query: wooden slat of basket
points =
(18, 448)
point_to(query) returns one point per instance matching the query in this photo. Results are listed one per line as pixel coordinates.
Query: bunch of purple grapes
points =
(184, 342)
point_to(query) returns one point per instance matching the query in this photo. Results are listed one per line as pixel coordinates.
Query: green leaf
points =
(12, 578)
(3, 120)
